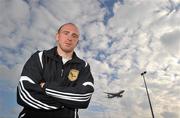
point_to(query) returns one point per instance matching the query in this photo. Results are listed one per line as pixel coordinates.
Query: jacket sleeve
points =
(29, 92)
(74, 97)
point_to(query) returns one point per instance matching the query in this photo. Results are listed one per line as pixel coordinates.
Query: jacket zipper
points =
(62, 72)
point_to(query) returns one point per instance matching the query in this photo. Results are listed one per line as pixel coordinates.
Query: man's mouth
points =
(68, 44)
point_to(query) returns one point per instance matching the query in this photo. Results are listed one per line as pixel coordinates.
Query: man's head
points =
(67, 37)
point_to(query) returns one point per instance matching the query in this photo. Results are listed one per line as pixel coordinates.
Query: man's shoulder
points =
(35, 54)
(83, 62)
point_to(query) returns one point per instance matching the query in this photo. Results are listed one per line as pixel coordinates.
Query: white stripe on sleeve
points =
(88, 83)
(80, 99)
(40, 58)
(86, 64)
(68, 96)
(28, 98)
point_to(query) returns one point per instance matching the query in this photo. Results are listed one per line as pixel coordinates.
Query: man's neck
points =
(67, 55)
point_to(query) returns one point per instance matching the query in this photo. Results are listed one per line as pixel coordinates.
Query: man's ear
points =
(57, 36)
(77, 42)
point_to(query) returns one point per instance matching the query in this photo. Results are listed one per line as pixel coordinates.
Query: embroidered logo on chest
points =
(73, 74)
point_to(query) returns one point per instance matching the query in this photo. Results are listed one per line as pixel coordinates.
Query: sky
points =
(119, 38)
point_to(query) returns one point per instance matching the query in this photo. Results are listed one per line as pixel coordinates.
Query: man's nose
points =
(69, 37)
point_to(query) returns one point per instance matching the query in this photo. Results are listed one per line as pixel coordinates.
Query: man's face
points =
(67, 38)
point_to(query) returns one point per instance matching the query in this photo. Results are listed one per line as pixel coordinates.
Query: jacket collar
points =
(52, 53)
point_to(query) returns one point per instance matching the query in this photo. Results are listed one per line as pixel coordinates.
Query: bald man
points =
(56, 83)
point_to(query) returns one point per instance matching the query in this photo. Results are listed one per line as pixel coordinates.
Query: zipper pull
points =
(62, 72)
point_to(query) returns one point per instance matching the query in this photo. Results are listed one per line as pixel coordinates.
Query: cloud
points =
(12, 21)
(169, 115)
(171, 42)
(139, 35)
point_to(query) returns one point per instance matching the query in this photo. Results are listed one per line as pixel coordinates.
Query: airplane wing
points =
(112, 95)
(122, 91)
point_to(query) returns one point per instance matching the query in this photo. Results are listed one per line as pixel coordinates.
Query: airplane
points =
(112, 95)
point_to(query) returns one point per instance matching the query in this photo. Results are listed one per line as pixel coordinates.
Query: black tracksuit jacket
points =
(68, 87)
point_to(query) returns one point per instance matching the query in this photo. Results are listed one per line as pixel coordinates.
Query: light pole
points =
(142, 74)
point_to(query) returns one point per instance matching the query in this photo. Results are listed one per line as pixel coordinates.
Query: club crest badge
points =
(73, 74)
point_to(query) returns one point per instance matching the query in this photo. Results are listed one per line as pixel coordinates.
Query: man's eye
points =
(75, 36)
(66, 33)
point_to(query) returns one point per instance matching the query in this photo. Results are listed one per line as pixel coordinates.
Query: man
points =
(56, 83)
